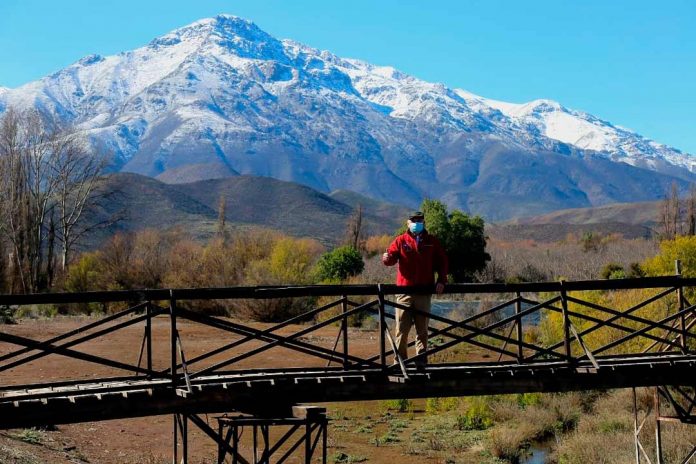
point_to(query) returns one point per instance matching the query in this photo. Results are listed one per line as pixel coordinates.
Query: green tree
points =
(461, 235)
(339, 264)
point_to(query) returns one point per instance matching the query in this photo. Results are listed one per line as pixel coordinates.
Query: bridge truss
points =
(606, 334)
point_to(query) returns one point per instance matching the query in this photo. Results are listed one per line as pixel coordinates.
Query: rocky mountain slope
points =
(220, 97)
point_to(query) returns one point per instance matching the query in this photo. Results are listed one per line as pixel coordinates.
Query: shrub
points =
(509, 442)
(401, 405)
(478, 416)
(7, 315)
(340, 457)
(339, 264)
(613, 271)
(462, 236)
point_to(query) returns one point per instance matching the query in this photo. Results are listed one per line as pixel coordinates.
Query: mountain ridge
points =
(220, 97)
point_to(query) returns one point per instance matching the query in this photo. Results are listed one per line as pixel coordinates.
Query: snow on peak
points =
(582, 130)
(229, 54)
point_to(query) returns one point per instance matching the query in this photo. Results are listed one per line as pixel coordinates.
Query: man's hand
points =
(385, 256)
(439, 288)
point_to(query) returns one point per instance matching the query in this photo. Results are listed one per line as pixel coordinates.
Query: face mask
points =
(415, 227)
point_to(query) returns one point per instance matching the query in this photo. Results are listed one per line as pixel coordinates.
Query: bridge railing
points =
(582, 324)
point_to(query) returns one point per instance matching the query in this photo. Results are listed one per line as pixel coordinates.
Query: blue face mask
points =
(415, 227)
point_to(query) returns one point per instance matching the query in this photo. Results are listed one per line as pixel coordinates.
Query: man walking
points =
(419, 255)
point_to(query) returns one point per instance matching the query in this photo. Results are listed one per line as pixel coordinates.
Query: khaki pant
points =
(405, 319)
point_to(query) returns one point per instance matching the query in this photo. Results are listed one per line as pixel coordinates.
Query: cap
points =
(416, 214)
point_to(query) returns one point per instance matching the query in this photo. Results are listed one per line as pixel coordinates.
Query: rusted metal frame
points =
(566, 325)
(47, 348)
(92, 391)
(247, 338)
(172, 339)
(664, 391)
(205, 428)
(682, 319)
(509, 335)
(397, 356)
(635, 426)
(520, 344)
(382, 327)
(684, 414)
(296, 445)
(637, 429)
(74, 332)
(257, 334)
(601, 323)
(69, 383)
(658, 428)
(181, 420)
(445, 331)
(690, 398)
(625, 313)
(468, 338)
(673, 341)
(605, 322)
(283, 439)
(588, 353)
(318, 437)
(148, 334)
(640, 332)
(630, 317)
(335, 290)
(688, 458)
(518, 322)
(180, 347)
(142, 348)
(60, 350)
(325, 439)
(335, 345)
(278, 340)
(344, 330)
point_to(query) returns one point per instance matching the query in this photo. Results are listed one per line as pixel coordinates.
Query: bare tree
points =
(80, 187)
(222, 206)
(354, 230)
(670, 214)
(691, 211)
(48, 179)
(27, 148)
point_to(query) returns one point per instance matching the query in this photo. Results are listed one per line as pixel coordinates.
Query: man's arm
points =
(391, 257)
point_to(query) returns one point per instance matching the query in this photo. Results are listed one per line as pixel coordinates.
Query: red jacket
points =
(418, 262)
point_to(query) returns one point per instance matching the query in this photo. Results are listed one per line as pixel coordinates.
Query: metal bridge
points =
(495, 350)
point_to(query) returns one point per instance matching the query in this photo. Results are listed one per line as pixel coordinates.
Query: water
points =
(538, 453)
(463, 309)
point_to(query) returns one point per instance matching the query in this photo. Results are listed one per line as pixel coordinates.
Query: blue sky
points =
(630, 62)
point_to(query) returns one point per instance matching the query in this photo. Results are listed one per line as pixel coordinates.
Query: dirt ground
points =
(149, 440)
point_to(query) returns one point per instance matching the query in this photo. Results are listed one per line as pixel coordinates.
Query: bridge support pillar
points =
(180, 433)
(668, 405)
(272, 439)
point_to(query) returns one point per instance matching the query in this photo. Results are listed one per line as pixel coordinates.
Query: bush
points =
(7, 315)
(461, 235)
(401, 405)
(478, 416)
(613, 271)
(339, 264)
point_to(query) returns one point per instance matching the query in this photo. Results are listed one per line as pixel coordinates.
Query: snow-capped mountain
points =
(221, 97)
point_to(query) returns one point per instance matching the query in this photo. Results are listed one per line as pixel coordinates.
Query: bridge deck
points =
(268, 392)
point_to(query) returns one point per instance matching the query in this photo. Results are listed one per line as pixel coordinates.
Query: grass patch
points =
(32, 436)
